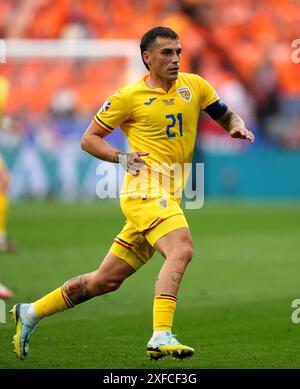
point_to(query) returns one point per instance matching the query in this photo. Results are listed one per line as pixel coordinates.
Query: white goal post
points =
(79, 48)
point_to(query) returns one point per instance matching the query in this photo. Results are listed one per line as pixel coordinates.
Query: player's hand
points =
(242, 134)
(132, 162)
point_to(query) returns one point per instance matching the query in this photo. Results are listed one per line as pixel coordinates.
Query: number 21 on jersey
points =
(176, 122)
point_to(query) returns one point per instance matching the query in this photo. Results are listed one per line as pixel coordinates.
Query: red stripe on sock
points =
(165, 298)
(68, 303)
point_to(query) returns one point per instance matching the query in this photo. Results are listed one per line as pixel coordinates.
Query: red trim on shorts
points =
(160, 220)
(122, 244)
(124, 241)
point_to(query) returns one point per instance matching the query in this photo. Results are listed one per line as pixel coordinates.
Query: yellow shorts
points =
(147, 221)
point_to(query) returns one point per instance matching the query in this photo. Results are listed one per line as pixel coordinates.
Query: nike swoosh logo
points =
(150, 101)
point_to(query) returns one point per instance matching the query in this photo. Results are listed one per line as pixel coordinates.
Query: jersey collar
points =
(161, 90)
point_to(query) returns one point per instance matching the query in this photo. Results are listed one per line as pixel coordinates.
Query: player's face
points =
(164, 58)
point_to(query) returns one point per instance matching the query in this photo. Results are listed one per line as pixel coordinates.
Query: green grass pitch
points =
(234, 306)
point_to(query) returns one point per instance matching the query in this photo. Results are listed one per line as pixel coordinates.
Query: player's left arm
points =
(219, 111)
(235, 126)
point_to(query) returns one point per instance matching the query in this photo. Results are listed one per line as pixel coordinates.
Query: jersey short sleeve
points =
(208, 94)
(114, 111)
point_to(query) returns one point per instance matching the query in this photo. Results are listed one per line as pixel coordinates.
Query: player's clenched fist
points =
(131, 162)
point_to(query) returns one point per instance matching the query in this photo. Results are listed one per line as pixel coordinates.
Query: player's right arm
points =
(112, 114)
(93, 143)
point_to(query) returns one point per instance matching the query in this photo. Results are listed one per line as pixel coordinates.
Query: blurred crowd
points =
(242, 47)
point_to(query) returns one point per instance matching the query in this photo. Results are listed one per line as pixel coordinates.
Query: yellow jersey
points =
(159, 122)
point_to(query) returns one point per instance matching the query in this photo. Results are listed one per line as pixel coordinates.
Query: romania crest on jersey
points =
(185, 93)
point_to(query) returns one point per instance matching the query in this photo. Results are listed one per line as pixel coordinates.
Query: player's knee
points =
(113, 285)
(185, 249)
(101, 286)
(182, 254)
(186, 253)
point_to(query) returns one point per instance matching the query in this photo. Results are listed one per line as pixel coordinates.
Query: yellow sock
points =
(163, 312)
(3, 212)
(53, 302)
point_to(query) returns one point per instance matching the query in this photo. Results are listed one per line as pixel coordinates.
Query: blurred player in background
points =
(5, 293)
(159, 115)
(5, 244)
(6, 124)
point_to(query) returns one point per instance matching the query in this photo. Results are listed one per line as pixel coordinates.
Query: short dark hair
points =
(150, 36)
